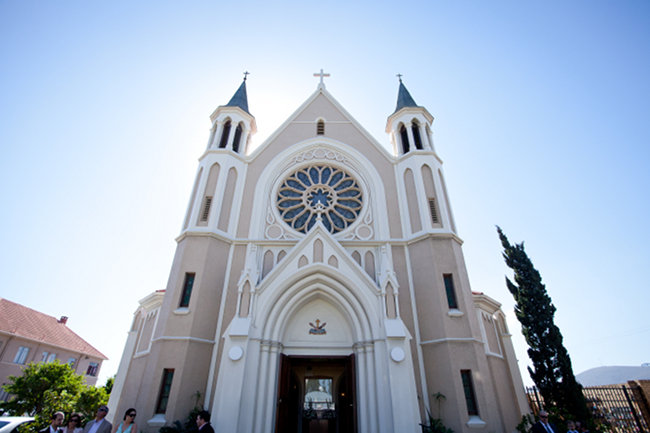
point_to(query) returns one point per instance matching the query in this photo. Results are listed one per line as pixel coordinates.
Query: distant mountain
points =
(613, 375)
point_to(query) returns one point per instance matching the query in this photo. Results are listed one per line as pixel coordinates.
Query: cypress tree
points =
(552, 371)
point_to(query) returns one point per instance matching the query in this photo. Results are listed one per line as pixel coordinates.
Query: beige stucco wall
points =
(442, 342)
(9, 345)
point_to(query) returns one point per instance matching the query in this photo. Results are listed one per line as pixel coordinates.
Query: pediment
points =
(301, 125)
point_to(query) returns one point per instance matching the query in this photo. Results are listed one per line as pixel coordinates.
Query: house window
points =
(434, 211)
(320, 128)
(451, 293)
(52, 357)
(206, 208)
(44, 357)
(165, 388)
(21, 355)
(71, 362)
(470, 395)
(187, 289)
(92, 369)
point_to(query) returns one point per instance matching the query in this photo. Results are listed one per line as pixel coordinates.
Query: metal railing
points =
(614, 407)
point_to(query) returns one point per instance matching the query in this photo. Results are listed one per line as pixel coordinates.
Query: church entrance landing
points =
(316, 395)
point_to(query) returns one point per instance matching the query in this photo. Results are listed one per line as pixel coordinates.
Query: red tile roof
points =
(22, 321)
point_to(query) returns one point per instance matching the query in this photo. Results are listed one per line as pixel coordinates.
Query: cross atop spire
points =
(246, 74)
(321, 74)
(399, 77)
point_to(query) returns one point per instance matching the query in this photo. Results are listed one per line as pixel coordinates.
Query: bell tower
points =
(424, 201)
(410, 125)
(232, 124)
(219, 178)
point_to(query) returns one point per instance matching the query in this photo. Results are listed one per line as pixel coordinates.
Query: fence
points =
(618, 408)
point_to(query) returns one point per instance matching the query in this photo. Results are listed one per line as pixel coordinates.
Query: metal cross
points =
(399, 76)
(321, 74)
(246, 74)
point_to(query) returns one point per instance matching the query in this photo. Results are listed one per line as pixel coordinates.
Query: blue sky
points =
(541, 111)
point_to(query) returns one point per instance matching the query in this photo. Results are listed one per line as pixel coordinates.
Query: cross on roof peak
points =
(399, 77)
(321, 74)
(246, 74)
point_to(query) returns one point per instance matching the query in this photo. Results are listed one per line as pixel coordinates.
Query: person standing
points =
(73, 425)
(203, 422)
(543, 426)
(55, 423)
(571, 427)
(99, 424)
(128, 424)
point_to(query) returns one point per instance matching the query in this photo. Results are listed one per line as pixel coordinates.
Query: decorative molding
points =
(193, 339)
(452, 340)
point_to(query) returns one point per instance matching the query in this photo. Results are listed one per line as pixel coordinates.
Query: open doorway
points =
(316, 395)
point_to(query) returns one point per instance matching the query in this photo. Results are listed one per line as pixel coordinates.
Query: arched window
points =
(224, 135)
(415, 128)
(237, 138)
(320, 128)
(404, 138)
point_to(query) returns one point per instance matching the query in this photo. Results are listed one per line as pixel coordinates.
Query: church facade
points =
(319, 285)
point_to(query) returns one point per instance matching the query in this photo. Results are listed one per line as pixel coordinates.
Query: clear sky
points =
(542, 115)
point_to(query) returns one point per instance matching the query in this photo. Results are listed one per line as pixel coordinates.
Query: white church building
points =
(319, 285)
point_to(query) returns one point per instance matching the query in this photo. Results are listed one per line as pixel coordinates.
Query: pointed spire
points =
(404, 98)
(240, 98)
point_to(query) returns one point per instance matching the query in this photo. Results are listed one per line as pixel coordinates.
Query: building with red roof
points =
(27, 335)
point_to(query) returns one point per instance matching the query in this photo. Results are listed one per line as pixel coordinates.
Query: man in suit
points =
(203, 422)
(55, 423)
(99, 424)
(542, 426)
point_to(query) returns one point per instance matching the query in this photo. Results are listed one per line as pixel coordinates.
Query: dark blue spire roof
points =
(240, 99)
(404, 98)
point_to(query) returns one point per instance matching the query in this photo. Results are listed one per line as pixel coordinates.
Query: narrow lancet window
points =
(452, 303)
(404, 137)
(415, 128)
(237, 138)
(224, 135)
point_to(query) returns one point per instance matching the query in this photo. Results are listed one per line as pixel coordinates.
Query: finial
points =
(399, 77)
(246, 74)
(321, 74)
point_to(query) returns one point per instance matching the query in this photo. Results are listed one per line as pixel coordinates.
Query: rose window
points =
(319, 191)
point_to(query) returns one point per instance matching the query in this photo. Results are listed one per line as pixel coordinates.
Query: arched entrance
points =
(316, 395)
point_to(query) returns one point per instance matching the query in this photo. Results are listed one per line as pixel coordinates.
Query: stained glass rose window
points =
(319, 190)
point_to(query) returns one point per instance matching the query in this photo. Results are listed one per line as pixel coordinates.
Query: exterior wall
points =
(9, 345)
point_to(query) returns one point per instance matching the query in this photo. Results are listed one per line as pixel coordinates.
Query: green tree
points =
(552, 371)
(109, 384)
(89, 399)
(42, 390)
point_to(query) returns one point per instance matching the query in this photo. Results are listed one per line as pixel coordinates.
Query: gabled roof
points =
(322, 92)
(21, 321)
(240, 98)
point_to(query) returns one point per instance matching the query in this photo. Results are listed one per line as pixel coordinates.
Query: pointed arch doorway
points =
(316, 395)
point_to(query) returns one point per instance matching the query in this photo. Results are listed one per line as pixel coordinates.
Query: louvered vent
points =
(206, 208)
(434, 211)
(320, 128)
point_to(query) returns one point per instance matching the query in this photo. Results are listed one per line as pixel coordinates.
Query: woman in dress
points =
(73, 425)
(128, 425)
